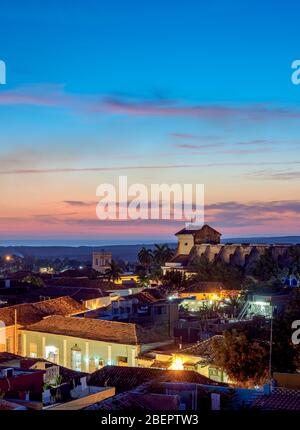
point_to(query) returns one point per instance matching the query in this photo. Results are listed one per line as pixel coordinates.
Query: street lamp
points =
(270, 349)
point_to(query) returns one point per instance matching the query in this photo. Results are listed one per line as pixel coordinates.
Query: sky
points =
(163, 92)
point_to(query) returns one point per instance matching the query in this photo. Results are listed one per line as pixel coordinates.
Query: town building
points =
(87, 344)
(101, 261)
(195, 241)
(13, 318)
(208, 292)
(198, 358)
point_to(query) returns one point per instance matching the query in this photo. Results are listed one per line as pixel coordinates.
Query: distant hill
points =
(81, 253)
(124, 252)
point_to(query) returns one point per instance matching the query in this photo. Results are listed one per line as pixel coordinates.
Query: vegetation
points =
(114, 272)
(174, 281)
(216, 271)
(244, 353)
(243, 359)
(34, 280)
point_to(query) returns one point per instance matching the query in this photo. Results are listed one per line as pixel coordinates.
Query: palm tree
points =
(114, 271)
(233, 305)
(145, 257)
(174, 281)
(144, 280)
(162, 253)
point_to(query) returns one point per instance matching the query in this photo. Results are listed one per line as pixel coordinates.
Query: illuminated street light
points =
(177, 364)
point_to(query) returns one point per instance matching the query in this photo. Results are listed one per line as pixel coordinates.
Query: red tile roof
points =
(127, 378)
(279, 399)
(7, 356)
(93, 329)
(29, 313)
(66, 373)
(139, 402)
(193, 231)
(204, 349)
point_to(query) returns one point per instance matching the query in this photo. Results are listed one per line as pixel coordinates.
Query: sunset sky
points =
(160, 91)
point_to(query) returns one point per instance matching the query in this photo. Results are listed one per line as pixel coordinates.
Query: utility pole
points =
(16, 334)
(271, 347)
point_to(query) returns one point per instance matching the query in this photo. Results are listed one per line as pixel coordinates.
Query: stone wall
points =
(238, 254)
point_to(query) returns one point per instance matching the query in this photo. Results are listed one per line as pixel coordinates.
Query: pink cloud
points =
(55, 96)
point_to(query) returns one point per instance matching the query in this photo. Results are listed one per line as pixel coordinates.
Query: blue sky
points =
(138, 83)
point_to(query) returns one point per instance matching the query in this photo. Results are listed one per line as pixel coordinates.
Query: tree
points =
(144, 279)
(266, 267)
(244, 360)
(145, 257)
(162, 253)
(216, 271)
(273, 285)
(157, 274)
(294, 259)
(286, 355)
(34, 280)
(202, 266)
(233, 305)
(114, 271)
(174, 281)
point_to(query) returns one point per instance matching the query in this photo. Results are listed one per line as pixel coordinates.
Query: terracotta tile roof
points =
(29, 363)
(7, 356)
(127, 378)
(89, 328)
(147, 296)
(204, 349)
(29, 313)
(80, 282)
(76, 293)
(139, 402)
(66, 373)
(193, 231)
(280, 399)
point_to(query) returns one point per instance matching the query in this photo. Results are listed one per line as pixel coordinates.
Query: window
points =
(122, 361)
(161, 310)
(32, 350)
(9, 344)
(76, 358)
(19, 343)
(52, 354)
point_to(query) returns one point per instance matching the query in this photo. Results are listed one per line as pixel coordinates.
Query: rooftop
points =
(148, 296)
(187, 230)
(139, 402)
(204, 349)
(94, 329)
(30, 313)
(280, 399)
(127, 378)
(76, 293)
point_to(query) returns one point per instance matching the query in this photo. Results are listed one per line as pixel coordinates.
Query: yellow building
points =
(86, 344)
(13, 318)
(199, 358)
(209, 291)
